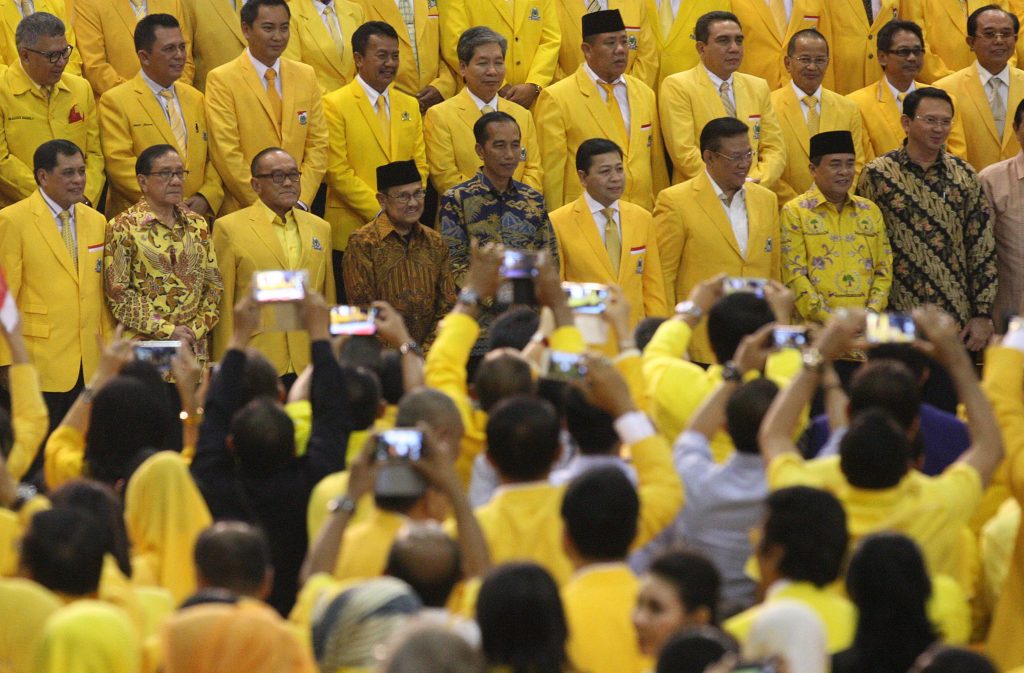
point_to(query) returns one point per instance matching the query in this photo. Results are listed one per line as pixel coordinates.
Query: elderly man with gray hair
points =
(39, 101)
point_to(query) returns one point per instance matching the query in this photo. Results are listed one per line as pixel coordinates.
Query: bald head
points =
(428, 560)
(235, 556)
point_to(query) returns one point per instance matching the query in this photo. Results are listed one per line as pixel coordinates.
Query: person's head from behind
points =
(59, 168)
(1018, 121)
(733, 317)
(43, 48)
(99, 500)
(400, 193)
(745, 410)
(680, 590)
(900, 47)
(266, 27)
(428, 560)
(725, 148)
(481, 53)
(259, 378)
(888, 581)
(375, 50)
(645, 330)
(790, 633)
(889, 385)
(498, 144)
(161, 48)
(910, 357)
(513, 329)
(592, 429)
(502, 373)
(126, 425)
(63, 550)
(803, 537)
(522, 623)
(276, 179)
(693, 650)
(262, 437)
(362, 396)
(875, 452)
(600, 170)
(959, 660)
(432, 649)
(437, 411)
(599, 511)
(605, 43)
(522, 439)
(234, 556)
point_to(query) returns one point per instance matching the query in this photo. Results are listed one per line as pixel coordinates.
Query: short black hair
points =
(99, 500)
(63, 550)
(745, 410)
(959, 660)
(809, 525)
(972, 20)
(695, 579)
(692, 650)
(481, 132)
(875, 452)
(887, 384)
(591, 148)
(645, 329)
(362, 395)
(1018, 113)
(592, 428)
(733, 317)
(232, 555)
(144, 162)
(361, 36)
(915, 97)
(251, 9)
(912, 358)
(389, 371)
(259, 377)
(522, 438)
(264, 437)
(716, 130)
(128, 422)
(254, 165)
(808, 33)
(887, 33)
(145, 29)
(599, 510)
(47, 155)
(702, 29)
(501, 376)
(513, 329)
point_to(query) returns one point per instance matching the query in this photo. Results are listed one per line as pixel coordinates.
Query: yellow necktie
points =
(813, 119)
(778, 8)
(26, 7)
(174, 117)
(382, 115)
(612, 241)
(487, 109)
(275, 98)
(333, 29)
(288, 236)
(138, 8)
(665, 17)
(899, 100)
(68, 236)
(616, 112)
(723, 93)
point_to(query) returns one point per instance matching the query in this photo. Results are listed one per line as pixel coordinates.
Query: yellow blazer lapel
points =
(712, 206)
(289, 115)
(253, 81)
(887, 104)
(263, 229)
(420, 8)
(521, 9)
(764, 12)
(86, 237)
(595, 106)
(857, 8)
(587, 229)
(829, 113)
(978, 98)
(124, 10)
(370, 117)
(152, 107)
(679, 25)
(223, 10)
(630, 240)
(314, 26)
(793, 115)
(887, 11)
(306, 239)
(47, 225)
(504, 10)
(399, 117)
(11, 16)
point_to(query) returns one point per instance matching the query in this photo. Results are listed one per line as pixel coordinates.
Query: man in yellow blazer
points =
(217, 35)
(448, 127)
(673, 23)
(28, 117)
(272, 233)
(579, 108)
(806, 63)
(422, 72)
(51, 251)
(713, 89)
(320, 32)
(640, 26)
(988, 91)
(768, 34)
(901, 55)
(717, 222)
(361, 139)
(603, 239)
(246, 117)
(11, 14)
(853, 33)
(105, 29)
(135, 115)
(531, 28)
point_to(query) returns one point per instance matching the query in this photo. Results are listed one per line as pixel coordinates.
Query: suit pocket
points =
(35, 322)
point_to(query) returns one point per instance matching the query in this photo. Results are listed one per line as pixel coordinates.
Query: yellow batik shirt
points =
(835, 259)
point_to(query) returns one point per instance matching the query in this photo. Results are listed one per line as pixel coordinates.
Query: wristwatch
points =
(690, 309)
(341, 504)
(469, 296)
(731, 373)
(410, 347)
(813, 359)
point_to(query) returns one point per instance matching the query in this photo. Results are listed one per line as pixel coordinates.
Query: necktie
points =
(997, 104)
(723, 93)
(333, 29)
(175, 120)
(288, 236)
(26, 7)
(778, 8)
(812, 114)
(593, 6)
(486, 110)
(899, 100)
(869, 10)
(409, 16)
(68, 236)
(615, 111)
(665, 17)
(139, 8)
(612, 241)
(47, 91)
(275, 98)
(382, 115)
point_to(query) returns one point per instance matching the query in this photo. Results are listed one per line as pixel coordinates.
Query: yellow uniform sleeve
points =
(64, 456)
(29, 419)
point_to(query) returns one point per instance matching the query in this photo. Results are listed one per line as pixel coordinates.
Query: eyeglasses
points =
(280, 176)
(54, 56)
(738, 158)
(408, 197)
(907, 52)
(936, 122)
(820, 61)
(997, 34)
(181, 174)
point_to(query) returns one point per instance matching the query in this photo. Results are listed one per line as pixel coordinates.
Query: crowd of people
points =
(519, 336)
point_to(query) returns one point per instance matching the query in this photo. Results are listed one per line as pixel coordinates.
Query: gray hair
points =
(476, 37)
(35, 26)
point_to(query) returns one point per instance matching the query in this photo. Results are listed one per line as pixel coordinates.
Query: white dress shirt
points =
(1002, 76)
(717, 81)
(261, 71)
(156, 89)
(599, 219)
(801, 94)
(896, 92)
(55, 210)
(736, 211)
(321, 9)
(480, 103)
(372, 95)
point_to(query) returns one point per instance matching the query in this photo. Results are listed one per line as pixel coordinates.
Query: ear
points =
(582, 175)
(905, 123)
(381, 200)
(479, 151)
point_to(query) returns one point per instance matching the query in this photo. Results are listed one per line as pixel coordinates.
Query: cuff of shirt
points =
(634, 427)
(633, 352)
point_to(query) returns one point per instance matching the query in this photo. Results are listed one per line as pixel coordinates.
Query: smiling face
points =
(379, 64)
(730, 165)
(165, 62)
(65, 184)
(928, 130)
(808, 63)
(282, 196)
(994, 40)
(607, 54)
(834, 175)
(485, 71)
(723, 52)
(659, 614)
(268, 34)
(403, 204)
(605, 180)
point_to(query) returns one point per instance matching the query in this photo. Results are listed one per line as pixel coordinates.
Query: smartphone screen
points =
(400, 444)
(890, 328)
(157, 353)
(279, 285)
(519, 264)
(741, 284)
(353, 320)
(565, 367)
(790, 336)
(590, 298)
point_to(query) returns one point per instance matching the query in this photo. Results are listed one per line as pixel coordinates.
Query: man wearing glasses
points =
(396, 259)
(160, 271)
(39, 101)
(989, 89)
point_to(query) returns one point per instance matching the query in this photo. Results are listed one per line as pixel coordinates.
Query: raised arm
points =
(332, 421)
(391, 328)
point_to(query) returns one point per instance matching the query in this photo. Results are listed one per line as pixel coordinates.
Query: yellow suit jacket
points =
(764, 47)
(242, 124)
(853, 46)
(451, 147)
(62, 309)
(689, 100)
(245, 243)
(106, 36)
(27, 120)
(10, 17)
(431, 69)
(530, 26)
(217, 35)
(584, 259)
(132, 119)
(676, 51)
(310, 43)
(643, 46)
(984, 145)
(837, 114)
(572, 111)
(880, 121)
(696, 242)
(358, 147)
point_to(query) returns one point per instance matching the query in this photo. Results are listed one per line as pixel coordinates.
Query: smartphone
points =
(565, 367)
(397, 449)
(790, 336)
(754, 667)
(742, 284)
(157, 353)
(353, 320)
(890, 328)
(519, 264)
(589, 298)
(1014, 333)
(399, 444)
(279, 285)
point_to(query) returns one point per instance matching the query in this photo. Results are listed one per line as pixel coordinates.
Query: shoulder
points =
(635, 213)
(680, 83)
(760, 195)
(365, 235)
(343, 93)
(957, 79)
(230, 69)
(836, 100)
(862, 97)
(311, 220)
(186, 92)
(754, 83)
(638, 87)
(561, 89)
(226, 225)
(80, 87)
(563, 214)
(678, 192)
(84, 213)
(297, 68)
(404, 100)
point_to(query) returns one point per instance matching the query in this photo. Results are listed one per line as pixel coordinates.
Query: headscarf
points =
(164, 513)
(24, 608)
(791, 631)
(348, 628)
(88, 637)
(245, 637)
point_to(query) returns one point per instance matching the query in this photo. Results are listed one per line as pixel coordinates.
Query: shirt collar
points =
(271, 215)
(1018, 163)
(903, 157)
(52, 205)
(593, 76)
(149, 216)
(480, 103)
(716, 80)
(986, 77)
(153, 86)
(596, 207)
(815, 194)
(800, 93)
(320, 6)
(372, 94)
(385, 227)
(896, 92)
(262, 69)
(513, 186)
(718, 190)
